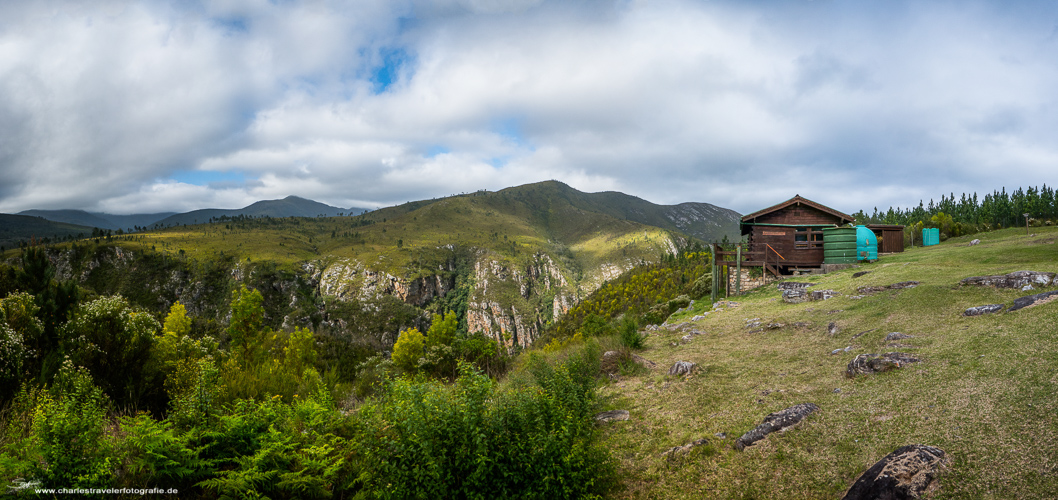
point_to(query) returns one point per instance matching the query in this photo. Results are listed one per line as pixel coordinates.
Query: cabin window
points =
(807, 238)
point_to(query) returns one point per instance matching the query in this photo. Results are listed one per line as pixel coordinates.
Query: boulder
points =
(906, 473)
(682, 368)
(985, 309)
(897, 336)
(974, 242)
(612, 415)
(833, 329)
(1033, 300)
(868, 364)
(682, 450)
(794, 295)
(1017, 279)
(778, 421)
(793, 285)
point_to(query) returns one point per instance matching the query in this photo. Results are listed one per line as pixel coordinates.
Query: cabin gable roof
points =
(797, 200)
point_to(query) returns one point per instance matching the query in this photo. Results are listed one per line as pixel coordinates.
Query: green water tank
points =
(866, 244)
(839, 245)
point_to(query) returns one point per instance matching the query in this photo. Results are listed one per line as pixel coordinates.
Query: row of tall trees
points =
(995, 210)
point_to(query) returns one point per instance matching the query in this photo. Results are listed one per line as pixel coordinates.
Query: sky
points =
(137, 107)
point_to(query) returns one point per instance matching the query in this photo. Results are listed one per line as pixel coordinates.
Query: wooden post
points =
(712, 289)
(738, 269)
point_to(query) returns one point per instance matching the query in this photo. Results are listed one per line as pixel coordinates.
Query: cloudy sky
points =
(129, 107)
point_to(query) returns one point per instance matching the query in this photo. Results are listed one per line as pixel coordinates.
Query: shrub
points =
(69, 428)
(470, 440)
(630, 336)
(408, 350)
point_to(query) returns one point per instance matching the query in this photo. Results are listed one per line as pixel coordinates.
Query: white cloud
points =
(742, 105)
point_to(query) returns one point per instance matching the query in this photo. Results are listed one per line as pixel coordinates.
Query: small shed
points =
(890, 237)
(789, 235)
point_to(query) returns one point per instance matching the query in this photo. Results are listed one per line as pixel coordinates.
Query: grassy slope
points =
(510, 224)
(984, 393)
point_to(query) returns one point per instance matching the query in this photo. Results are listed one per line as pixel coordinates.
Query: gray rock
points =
(1032, 300)
(906, 473)
(612, 416)
(686, 338)
(822, 294)
(895, 286)
(1017, 279)
(839, 351)
(794, 295)
(897, 336)
(1027, 288)
(793, 285)
(869, 364)
(682, 368)
(833, 329)
(778, 421)
(985, 309)
(975, 242)
(774, 326)
(682, 450)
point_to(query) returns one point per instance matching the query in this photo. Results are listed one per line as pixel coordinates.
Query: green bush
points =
(69, 429)
(630, 336)
(471, 440)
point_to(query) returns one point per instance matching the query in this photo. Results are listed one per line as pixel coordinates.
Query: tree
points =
(114, 342)
(247, 318)
(408, 349)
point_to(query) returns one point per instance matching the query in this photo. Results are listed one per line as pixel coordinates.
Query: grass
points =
(984, 392)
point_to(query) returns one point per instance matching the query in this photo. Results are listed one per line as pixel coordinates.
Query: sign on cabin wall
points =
(774, 233)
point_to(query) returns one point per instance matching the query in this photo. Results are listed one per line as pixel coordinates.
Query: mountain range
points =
(291, 206)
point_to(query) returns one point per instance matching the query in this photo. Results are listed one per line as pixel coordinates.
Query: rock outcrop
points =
(869, 364)
(985, 309)
(1034, 300)
(906, 473)
(1017, 279)
(612, 416)
(778, 421)
(895, 286)
(676, 451)
(681, 368)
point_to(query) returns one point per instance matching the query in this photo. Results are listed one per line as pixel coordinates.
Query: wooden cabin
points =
(890, 237)
(788, 237)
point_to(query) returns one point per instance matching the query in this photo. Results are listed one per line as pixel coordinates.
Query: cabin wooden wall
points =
(782, 239)
(795, 214)
(891, 241)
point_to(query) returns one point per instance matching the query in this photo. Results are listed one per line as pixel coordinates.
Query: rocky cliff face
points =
(508, 300)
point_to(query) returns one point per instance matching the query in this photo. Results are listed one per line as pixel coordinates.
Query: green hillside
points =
(407, 240)
(983, 392)
(23, 228)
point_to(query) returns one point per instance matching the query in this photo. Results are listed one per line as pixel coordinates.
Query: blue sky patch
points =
(437, 150)
(207, 177)
(388, 72)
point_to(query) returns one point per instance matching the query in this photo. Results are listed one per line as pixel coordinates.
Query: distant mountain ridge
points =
(98, 219)
(291, 206)
(21, 228)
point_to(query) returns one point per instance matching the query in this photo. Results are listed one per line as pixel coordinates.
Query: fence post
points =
(738, 269)
(712, 258)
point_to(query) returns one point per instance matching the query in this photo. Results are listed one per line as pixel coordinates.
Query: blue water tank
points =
(866, 244)
(930, 236)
